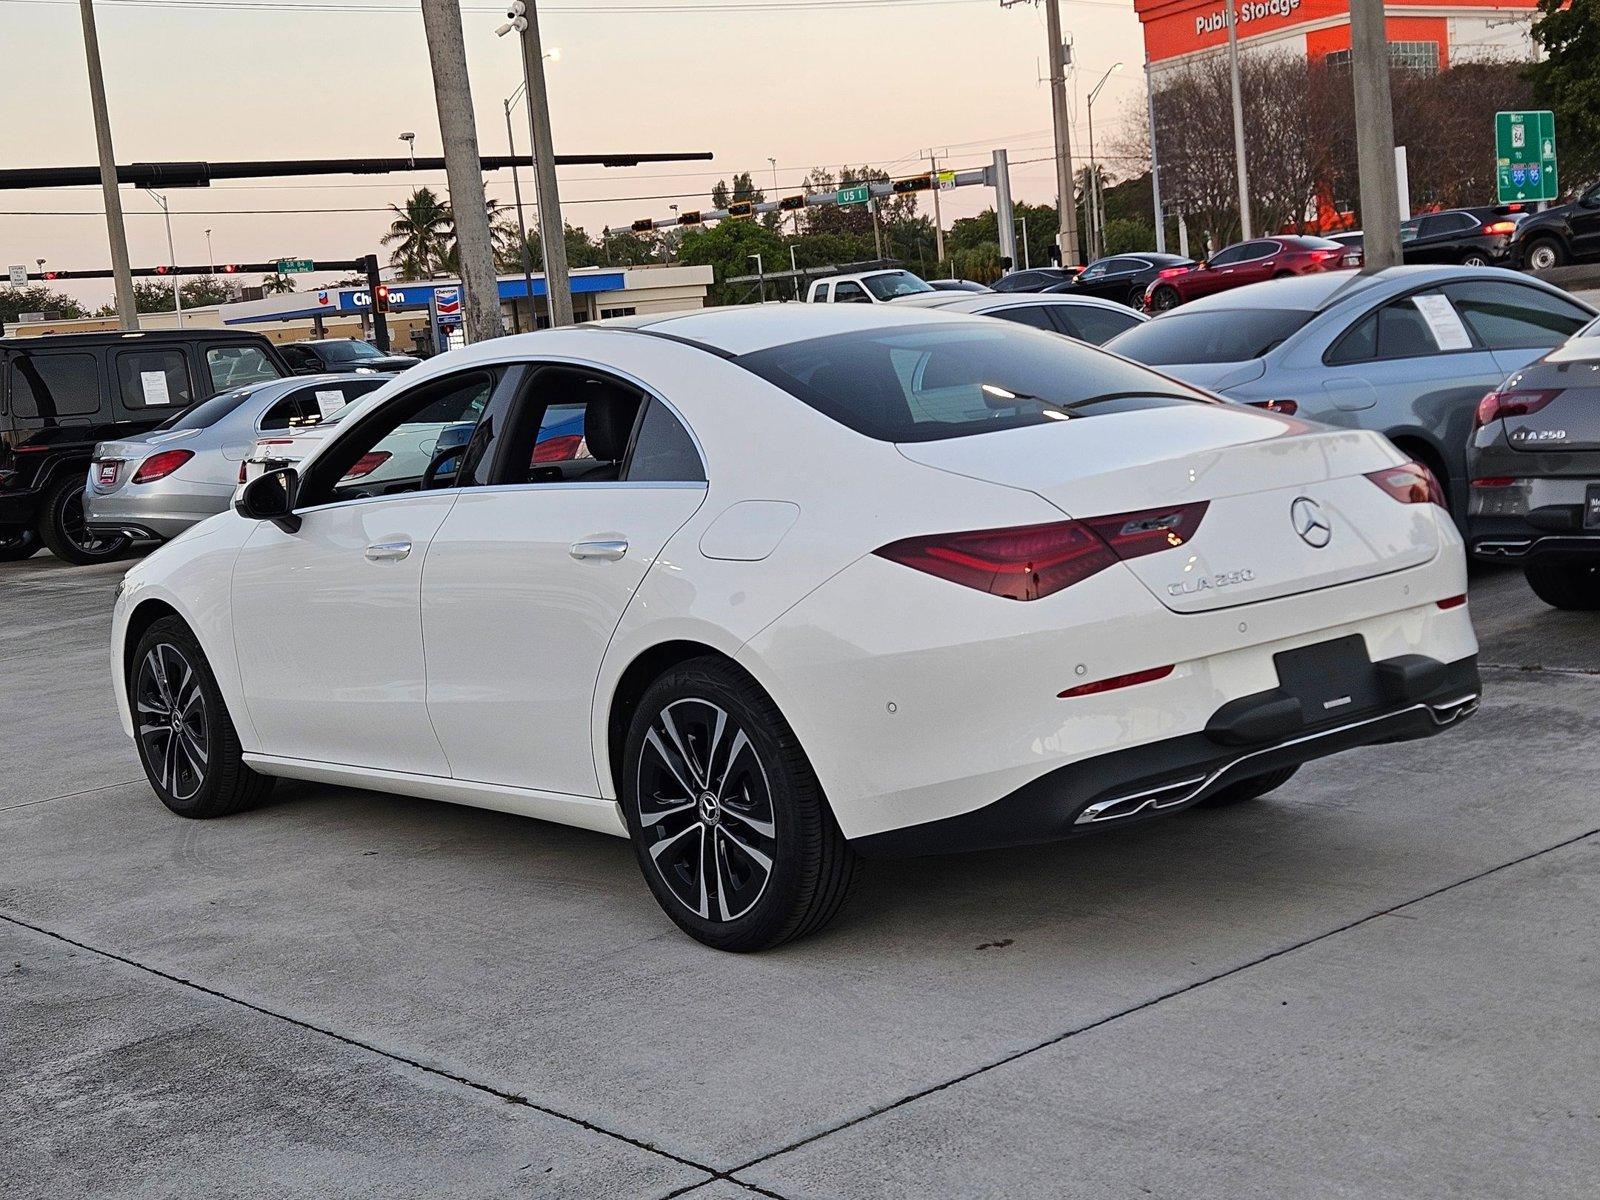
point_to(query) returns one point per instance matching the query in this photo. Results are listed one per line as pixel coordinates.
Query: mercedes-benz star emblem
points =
(1310, 522)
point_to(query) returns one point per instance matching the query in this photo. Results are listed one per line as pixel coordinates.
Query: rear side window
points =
(1411, 327)
(1217, 336)
(47, 386)
(915, 384)
(236, 366)
(208, 412)
(154, 379)
(1510, 316)
(1032, 315)
(663, 451)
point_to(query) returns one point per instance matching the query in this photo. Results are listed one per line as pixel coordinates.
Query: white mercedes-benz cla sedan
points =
(770, 589)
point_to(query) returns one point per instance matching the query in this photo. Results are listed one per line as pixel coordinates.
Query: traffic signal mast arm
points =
(830, 199)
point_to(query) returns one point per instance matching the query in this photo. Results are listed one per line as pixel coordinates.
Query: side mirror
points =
(270, 497)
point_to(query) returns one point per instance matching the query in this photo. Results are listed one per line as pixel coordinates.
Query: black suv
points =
(342, 354)
(1564, 234)
(62, 393)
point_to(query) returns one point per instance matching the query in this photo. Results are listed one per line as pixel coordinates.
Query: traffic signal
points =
(742, 208)
(380, 298)
(689, 218)
(162, 270)
(790, 203)
(50, 274)
(517, 14)
(230, 268)
(917, 183)
(644, 226)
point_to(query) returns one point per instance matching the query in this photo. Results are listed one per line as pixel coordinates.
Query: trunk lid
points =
(1568, 382)
(1289, 507)
(114, 462)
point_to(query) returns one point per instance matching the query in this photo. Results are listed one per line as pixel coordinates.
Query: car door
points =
(1585, 225)
(527, 580)
(1092, 280)
(1259, 262)
(1217, 273)
(328, 617)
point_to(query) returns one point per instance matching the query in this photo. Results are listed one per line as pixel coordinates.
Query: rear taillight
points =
(1149, 675)
(1171, 272)
(1029, 562)
(1496, 405)
(1494, 481)
(367, 464)
(1287, 407)
(1409, 483)
(1323, 256)
(159, 466)
(1500, 227)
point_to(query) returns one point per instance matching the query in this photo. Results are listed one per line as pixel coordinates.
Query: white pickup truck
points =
(866, 287)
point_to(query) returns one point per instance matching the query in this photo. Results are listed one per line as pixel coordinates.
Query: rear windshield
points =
(208, 412)
(1217, 336)
(348, 350)
(916, 384)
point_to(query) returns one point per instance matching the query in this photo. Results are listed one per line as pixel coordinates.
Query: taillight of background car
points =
(366, 464)
(1497, 227)
(561, 448)
(159, 466)
(1514, 403)
(1287, 408)
(1029, 562)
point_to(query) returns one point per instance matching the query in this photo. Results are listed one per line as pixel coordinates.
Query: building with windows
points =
(1424, 35)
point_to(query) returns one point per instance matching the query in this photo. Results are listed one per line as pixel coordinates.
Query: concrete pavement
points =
(1378, 982)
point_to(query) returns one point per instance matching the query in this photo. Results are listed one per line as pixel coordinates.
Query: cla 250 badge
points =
(1538, 435)
(1206, 583)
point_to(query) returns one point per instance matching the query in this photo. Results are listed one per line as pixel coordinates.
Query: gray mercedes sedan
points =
(185, 470)
(1407, 351)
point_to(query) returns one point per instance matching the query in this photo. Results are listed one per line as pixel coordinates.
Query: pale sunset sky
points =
(811, 85)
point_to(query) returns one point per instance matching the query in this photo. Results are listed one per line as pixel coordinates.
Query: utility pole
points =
(1369, 75)
(522, 224)
(172, 254)
(1002, 206)
(127, 308)
(1067, 239)
(1155, 171)
(452, 92)
(552, 229)
(1238, 119)
(938, 219)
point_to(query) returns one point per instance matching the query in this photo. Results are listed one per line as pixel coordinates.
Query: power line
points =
(625, 9)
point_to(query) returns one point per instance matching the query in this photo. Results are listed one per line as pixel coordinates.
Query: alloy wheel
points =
(173, 724)
(77, 529)
(705, 810)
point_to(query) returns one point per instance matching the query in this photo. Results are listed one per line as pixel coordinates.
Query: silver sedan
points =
(1407, 351)
(1083, 317)
(159, 484)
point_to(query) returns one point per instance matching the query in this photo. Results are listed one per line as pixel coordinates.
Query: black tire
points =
(1135, 298)
(1165, 299)
(1248, 789)
(1570, 587)
(17, 546)
(193, 760)
(1543, 253)
(62, 528)
(755, 799)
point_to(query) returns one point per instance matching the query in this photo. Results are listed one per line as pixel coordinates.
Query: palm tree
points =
(502, 240)
(421, 234)
(275, 285)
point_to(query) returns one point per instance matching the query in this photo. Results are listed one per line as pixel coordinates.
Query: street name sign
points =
(854, 195)
(295, 266)
(1525, 156)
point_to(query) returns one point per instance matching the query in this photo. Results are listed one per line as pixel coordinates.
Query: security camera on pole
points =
(523, 19)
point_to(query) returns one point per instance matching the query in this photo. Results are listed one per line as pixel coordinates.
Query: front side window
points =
(916, 384)
(1229, 255)
(849, 293)
(236, 366)
(1511, 316)
(47, 386)
(157, 379)
(416, 441)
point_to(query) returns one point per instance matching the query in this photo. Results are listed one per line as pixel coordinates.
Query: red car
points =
(1237, 265)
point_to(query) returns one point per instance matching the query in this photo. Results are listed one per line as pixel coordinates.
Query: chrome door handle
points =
(388, 551)
(609, 549)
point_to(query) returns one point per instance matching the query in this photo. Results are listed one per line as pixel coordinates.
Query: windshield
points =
(893, 284)
(1215, 336)
(915, 384)
(347, 350)
(208, 412)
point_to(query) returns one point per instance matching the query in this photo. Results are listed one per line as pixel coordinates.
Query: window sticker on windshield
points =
(154, 384)
(1443, 321)
(329, 402)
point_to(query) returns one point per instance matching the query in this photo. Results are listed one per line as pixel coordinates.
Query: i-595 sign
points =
(1525, 156)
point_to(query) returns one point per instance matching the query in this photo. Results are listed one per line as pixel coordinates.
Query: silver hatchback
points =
(180, 473)
(1408, 351)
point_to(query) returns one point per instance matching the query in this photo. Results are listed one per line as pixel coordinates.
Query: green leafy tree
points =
(744, 188)
(582, 251)
(278, 285)
(1125, 236)
(152, 295)
(727, 248)
(206, 290)
(1567, 81)
(36, 298)
(420, 235)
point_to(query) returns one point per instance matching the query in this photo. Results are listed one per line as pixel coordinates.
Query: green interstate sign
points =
(295, 266)
(1525, 156)
(854, 195)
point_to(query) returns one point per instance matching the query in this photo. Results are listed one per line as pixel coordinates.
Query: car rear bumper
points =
(1131, 786)
(1536, 546)
(162, 513)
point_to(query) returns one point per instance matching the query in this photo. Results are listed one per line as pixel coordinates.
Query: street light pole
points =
(1238, 122)
(1155, 170)
(211, 256)
(522, 225)
(553, 240)
(172, 254)
(127, 308)
(1097, 238)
